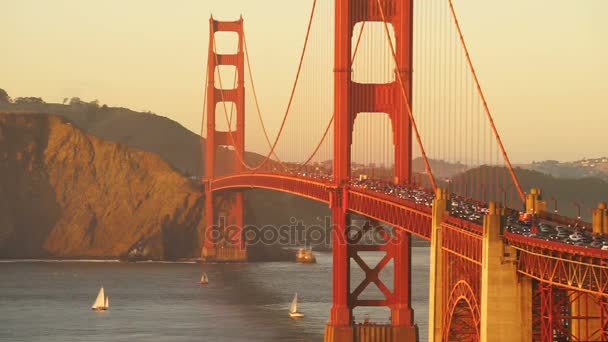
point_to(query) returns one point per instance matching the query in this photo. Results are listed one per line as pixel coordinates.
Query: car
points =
(576, 236)
(596, 244)
(545, 228)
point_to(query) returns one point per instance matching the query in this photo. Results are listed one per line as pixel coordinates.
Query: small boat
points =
(293, 310)
(305, 256)
(204, 279)
(102, 303)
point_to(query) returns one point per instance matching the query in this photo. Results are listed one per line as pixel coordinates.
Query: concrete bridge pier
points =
(534, 202)
(506, 298)
(436, 290)
(600, 218)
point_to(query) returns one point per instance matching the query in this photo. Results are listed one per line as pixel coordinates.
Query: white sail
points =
(204, 279)
(107, 302)
(99, 301)
(294, 304)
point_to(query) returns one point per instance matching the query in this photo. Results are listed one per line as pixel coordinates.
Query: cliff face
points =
(65, 193)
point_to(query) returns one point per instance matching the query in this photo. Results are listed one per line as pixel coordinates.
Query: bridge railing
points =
(564, 220)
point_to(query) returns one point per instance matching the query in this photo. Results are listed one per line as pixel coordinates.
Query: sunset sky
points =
(543, 63)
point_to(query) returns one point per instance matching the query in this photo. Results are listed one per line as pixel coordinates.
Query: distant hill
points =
(587, 191)
(172, 141)
(595, 167)
(180, 147)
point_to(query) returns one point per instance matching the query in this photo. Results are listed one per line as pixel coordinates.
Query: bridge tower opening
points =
(224, 227)
(350, 98)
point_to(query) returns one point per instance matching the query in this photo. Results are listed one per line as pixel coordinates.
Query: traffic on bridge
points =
(502, 267)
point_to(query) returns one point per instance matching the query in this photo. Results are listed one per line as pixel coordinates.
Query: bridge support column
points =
(223, 238)
(208, 251)
(506, 300)
(402, 315)
(232, 248)
(534, 202)
(600, 219)
(585, 310)
(436, 290)
(340, 328)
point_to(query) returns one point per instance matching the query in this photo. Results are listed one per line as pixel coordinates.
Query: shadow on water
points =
(165, 302)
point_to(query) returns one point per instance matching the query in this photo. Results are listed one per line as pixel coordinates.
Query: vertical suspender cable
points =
(407, 104)
(485, 105)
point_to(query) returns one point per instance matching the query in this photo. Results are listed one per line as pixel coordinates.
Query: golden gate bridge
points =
(388, 120)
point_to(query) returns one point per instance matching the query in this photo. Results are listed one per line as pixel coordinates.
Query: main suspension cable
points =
(257, 103)
(287, 111)
(201, 168)
(522, 196)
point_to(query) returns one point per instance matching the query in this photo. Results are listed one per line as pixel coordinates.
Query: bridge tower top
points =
(351, 98)
(234, 94)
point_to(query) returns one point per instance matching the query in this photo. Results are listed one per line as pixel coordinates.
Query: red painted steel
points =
(406, 215)
(296, 185)
(546, 312)
(555, 316)
(562, 272)
(556, 265)
(350, 98)
(462, 314)
(341, 309)
(462, 243)
(235, 137)
(604, 318)
(461, 257)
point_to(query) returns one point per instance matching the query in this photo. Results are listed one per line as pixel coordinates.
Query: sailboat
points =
(293, 310)
(204, 279)
(102, 302)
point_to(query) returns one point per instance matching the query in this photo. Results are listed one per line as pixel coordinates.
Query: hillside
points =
(180, 147)
(586, 191)
(176, 145)
(65, 193)
(173, 142)
(596, 167)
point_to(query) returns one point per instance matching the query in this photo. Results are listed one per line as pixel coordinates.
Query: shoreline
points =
(117, 261)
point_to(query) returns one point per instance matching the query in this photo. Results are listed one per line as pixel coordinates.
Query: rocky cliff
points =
(65, 193)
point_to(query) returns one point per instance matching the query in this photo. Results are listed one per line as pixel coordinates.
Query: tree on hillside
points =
(75, 101)
(4, 98)
(29, 100)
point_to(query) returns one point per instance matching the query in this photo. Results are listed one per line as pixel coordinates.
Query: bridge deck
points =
(557, 263)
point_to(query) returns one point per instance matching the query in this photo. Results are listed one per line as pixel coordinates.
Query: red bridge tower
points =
(351, 98)
(223, 234)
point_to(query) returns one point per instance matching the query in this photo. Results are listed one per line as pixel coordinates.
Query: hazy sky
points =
(543, 63)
